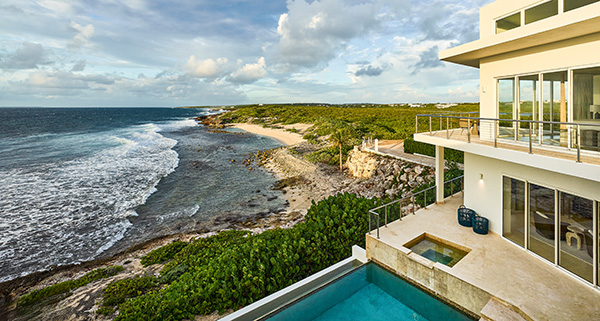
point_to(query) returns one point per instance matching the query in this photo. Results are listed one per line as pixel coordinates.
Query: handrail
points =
(574, 134)
(412, 197)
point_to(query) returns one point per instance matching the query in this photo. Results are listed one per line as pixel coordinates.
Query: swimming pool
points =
(369, 293)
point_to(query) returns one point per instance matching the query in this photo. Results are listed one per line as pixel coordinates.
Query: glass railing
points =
(572, 136)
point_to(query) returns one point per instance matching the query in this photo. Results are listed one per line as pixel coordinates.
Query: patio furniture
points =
(575, 233)
(465, 216)
(544, 225)
(480, 224)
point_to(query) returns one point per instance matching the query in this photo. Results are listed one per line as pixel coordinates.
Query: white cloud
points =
(29, 56)
(312, 33)
(82, 38)
(250, 72)
(207, 68)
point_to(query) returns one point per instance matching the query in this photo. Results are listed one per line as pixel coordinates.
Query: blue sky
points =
(206, 52)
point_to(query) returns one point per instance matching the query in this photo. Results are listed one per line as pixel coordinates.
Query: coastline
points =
(281, 135)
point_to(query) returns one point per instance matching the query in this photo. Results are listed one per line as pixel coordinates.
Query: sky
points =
(207, 52)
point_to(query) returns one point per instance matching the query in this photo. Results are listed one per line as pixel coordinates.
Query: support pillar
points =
(439, 174)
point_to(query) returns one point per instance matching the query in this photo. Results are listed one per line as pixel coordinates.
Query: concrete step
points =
(497, 310)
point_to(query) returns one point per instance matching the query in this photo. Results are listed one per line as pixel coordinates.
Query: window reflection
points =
(576, 251)
(514, 210)
(542, 222)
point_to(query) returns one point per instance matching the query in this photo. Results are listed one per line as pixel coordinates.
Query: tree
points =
(339, 138)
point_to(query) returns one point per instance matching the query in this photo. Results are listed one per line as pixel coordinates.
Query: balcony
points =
(568, 148)
(494, 270)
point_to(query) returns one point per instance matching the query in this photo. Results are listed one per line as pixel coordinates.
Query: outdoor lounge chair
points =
(544, 225)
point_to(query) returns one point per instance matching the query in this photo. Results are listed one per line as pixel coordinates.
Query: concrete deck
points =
(494, 267)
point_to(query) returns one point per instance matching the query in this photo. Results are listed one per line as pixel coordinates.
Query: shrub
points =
(413, 147)
(163, 254)
(233, 269)
(64, 288)
(118, 292)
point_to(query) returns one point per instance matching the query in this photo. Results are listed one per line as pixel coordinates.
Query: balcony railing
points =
(572, 136)
(400, 208)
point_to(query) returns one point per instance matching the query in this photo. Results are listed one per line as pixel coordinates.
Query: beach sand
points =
(284, 137)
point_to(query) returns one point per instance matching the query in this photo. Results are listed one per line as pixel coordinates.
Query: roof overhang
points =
(539, 33)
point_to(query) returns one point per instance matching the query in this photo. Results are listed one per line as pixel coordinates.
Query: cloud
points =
(428, 59)
(313, 33)
(79, 66)
(249, 72)
(29, 56)
(369, 71)
(207, 68)
(82, 38)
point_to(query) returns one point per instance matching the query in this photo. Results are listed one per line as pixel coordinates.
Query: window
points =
(586, 105)
(508, 23)
(554, 98)
(574, 4)
(542, 11)
(513, 227)
(542, 222)
(528, 109)
(556, 225)
(506, 98)
(576, 250)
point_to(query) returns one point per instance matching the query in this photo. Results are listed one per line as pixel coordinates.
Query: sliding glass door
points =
(528, 107)
(555, 103)
(506, 98)
(513, 227)
(556, 225)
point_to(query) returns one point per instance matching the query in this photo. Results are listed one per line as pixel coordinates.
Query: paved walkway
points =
(395, 149)
(538, 288)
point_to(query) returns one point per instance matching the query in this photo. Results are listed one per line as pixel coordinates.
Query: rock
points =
(420, 180)
(419, 170)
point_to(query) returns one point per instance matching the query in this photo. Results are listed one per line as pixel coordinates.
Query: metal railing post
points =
(430, 131)
(414, 209)
(370, 223)
(377, 226)
(469, 130)
(530, 140)
(416, 124)
(578, 143)
(441, 123)
(496, 133)
(425, 199)
(447, 127)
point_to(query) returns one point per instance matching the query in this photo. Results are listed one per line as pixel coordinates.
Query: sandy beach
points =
(285, 137)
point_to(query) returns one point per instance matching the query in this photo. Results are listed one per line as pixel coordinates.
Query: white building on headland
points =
(533, 166)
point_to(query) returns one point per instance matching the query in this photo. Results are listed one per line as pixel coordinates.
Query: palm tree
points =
(339, 138)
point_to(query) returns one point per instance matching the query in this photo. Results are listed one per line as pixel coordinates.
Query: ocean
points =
(82, 183)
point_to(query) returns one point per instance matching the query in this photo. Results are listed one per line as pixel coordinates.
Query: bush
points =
(118, 292)
(163, 254)
(413, 147)
(64, 288)
(234, 268)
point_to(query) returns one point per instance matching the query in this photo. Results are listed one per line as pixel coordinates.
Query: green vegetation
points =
(63, 289)
(235, 268)
(163, 254)
(411, 146)
(380, 121)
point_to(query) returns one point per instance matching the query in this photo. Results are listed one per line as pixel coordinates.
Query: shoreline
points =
(281, 135)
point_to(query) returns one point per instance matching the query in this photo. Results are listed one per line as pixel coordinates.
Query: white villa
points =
(532, 154)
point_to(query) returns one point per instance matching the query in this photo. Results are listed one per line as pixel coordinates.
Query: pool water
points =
(436, 250)
(369, 293)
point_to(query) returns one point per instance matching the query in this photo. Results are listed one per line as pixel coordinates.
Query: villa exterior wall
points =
(485, 195)
(558, 56)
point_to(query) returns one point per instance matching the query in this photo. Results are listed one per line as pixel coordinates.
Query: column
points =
(439, 174)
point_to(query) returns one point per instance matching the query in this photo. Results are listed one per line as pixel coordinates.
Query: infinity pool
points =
(369, 293)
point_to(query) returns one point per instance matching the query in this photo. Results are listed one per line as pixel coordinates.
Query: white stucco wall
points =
(575, 53)
(485, 196)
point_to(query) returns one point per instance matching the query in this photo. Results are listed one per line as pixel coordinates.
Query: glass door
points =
(528, 107)
(506, 98)
(542, 221)
(554, 105)
(513, 198)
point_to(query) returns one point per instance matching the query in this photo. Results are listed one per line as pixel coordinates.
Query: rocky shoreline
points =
(302, 182)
